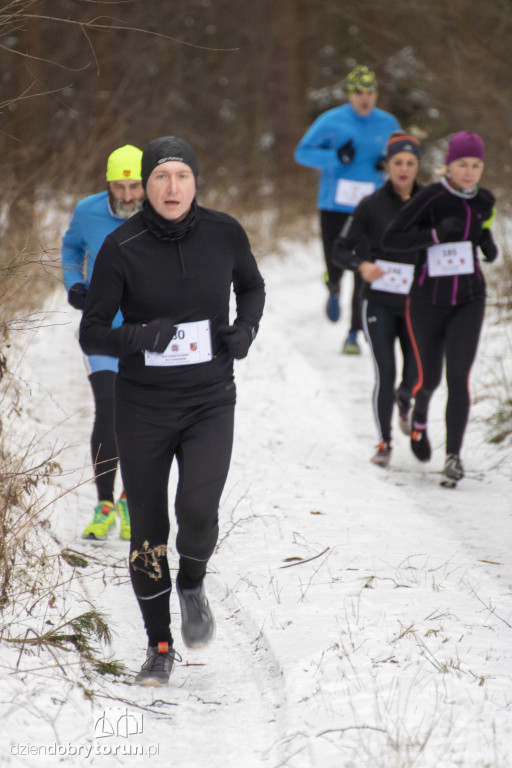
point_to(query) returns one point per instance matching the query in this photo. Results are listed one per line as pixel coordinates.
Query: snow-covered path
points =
(364, 616)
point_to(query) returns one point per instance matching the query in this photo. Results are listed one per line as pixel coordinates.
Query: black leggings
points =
(149, 437)
(103, 441)
(382, 326)
(450, 333)
(331, 224)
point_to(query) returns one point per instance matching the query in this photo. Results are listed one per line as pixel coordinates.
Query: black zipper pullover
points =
(414, 227)
(360, 238)
(150, 269)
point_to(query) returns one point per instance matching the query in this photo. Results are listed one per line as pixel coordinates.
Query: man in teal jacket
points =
(347, 145)
(94, 218)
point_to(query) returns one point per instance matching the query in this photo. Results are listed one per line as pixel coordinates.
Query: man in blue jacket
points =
(347, 145)
(94, 218)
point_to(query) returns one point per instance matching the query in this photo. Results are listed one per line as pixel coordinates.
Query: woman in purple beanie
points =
(446, 223)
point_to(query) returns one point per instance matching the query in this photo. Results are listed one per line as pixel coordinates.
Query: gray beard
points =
(124, 211)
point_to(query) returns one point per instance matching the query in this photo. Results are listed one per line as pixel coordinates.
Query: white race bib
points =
(352, 192)
(191, 344)
(448, 259)
(398, 277)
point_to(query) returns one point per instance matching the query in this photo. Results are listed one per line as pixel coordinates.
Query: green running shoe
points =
(124, 518)
(103, 520)
(351, 345)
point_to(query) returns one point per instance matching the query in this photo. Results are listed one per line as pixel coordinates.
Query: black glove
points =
(450, 230)
(488, 246)
(237, 339)
(76, 295)
(155, 336)
(346, 153)
(380, 164)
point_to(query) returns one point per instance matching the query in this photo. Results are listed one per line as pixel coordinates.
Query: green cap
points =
(361, 80)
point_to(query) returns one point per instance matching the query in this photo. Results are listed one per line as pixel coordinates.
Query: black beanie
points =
(403, 143)
(164, 149)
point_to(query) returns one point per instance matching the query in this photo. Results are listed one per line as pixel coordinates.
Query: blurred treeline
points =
(241, 80)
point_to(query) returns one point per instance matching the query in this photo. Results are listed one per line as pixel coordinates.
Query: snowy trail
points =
(229, 695)
(364, 616)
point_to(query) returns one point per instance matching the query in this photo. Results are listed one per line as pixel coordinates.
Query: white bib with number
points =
(190, 344)
(352, 192)
(398, 277)
(448, 259)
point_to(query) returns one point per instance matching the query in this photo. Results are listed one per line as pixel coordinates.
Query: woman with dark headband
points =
(385, 287)
(447, 221)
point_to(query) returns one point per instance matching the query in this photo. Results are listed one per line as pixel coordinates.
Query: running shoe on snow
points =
(453, 471)
(103, 520)
(197, 621)
(332, 308)
(124, 518)
(351, 345)
(420, 444)
(158, 666)
(383, 455)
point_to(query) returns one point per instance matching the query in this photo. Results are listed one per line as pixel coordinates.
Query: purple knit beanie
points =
(465, 144)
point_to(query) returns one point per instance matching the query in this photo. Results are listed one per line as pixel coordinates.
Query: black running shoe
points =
(157, 668)
(197, 621)
(420, 444)
(453, 471)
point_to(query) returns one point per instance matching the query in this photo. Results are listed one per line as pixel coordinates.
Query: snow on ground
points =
(364, 616)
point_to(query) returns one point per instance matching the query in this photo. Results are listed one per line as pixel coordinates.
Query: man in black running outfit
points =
(171, 269)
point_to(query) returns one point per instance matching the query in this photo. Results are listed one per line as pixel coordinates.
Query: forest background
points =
(241, 81)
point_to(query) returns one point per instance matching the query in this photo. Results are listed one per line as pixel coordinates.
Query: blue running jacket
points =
(319, 145)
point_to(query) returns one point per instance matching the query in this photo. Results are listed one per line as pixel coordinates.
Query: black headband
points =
(403, 144)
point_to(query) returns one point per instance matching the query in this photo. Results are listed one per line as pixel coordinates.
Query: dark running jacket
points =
(414, 227)
(361, 239)
(146, 271)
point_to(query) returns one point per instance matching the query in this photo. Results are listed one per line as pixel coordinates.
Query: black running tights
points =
(449, 333)
(331, 224)
(383, 325)
(103, 441)
(149, 436)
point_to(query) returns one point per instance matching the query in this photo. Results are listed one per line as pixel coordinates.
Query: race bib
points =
(190, 344)
(448, 259)
(352, 192)
(398, 277)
